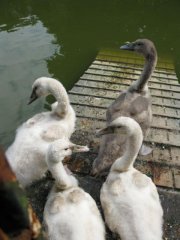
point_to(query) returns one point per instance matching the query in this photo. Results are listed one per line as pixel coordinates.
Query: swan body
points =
(135, 102)
(70, 213)
(129, 199)
(27, 153)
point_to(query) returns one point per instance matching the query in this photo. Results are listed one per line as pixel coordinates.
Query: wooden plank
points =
(104, 103)
(102, 83)
(116, 87)
(157, 135)
(158, 121)
(130, 76)
(164, 102)
(128, 81)
(162, 154)
(133, 61)
(138, 68)
(129, 70)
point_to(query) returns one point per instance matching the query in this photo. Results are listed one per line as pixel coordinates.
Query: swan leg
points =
(145, 150)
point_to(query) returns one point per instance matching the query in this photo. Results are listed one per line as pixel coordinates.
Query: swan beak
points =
(104, 131)
(33, 97)
(128, 46)
(79, 148)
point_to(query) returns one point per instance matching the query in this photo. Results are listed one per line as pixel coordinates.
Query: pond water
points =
(60, 38)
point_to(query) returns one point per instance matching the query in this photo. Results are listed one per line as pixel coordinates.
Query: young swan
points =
(135, 102)
(70, 213)
(129, 198)
(27, 153)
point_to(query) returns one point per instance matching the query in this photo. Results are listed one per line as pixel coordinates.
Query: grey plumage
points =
(135, 102)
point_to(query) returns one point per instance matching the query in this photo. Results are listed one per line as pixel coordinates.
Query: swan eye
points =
(35, 88)
(66, 149)
(139, 44)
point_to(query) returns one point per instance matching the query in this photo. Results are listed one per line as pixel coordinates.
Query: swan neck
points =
(59, 92)
(62, 179)
(133, 145)
(149, 66)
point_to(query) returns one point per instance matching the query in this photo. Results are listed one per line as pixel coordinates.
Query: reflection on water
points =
(23, 57)
(61, 38)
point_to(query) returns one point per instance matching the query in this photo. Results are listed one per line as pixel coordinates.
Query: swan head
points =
(41, 87)
(122, 125)
(143, 46)
(62, 148)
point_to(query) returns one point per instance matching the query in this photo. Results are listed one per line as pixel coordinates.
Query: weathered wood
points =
(125, 69)
(116, 87)
(135, 60)
(105, 102)
(135, 67)
(128, 78)
(111, 94)
(157, 135)
(102, 83)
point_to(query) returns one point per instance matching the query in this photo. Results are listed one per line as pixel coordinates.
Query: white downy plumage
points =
(70, 213)
(129, 198)
(27, 153)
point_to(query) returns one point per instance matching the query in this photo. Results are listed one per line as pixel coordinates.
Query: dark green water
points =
(60, 38)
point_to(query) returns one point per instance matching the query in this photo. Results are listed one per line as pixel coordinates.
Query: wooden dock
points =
(101, 84)
(110, 73)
